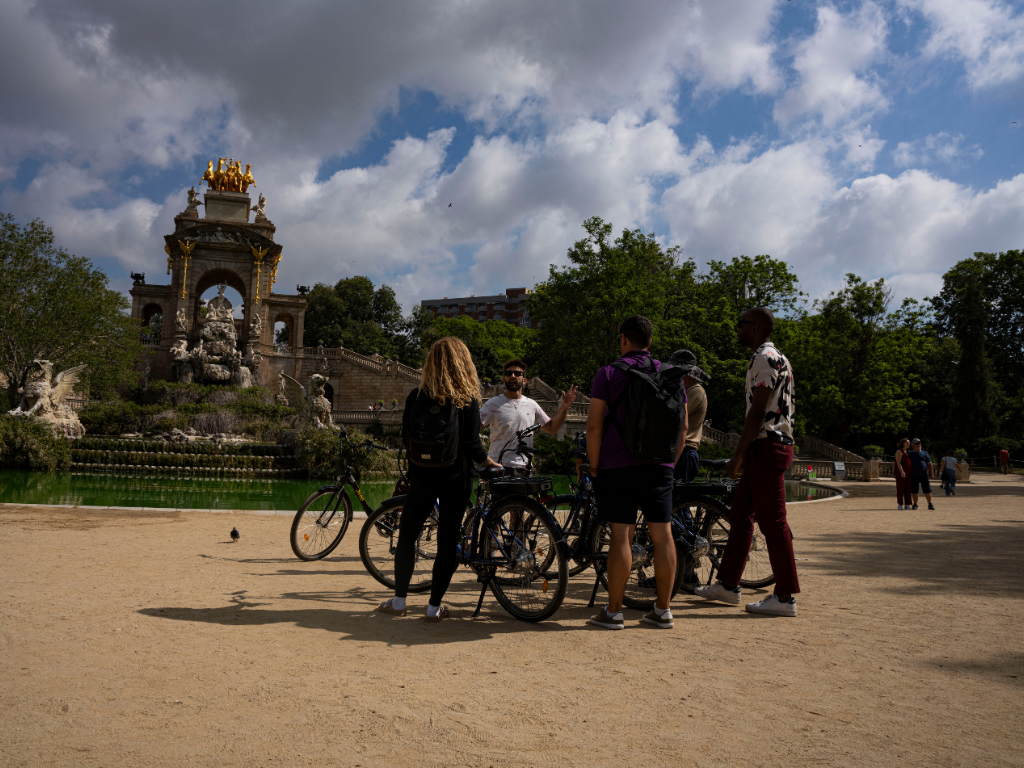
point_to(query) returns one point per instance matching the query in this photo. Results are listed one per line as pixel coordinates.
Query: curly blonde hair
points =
(449, 373)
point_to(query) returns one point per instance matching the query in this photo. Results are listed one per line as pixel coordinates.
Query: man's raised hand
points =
(568, 398)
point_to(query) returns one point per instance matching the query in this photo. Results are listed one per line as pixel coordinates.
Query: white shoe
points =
(772, 606)
(720, 593)
(899, 506)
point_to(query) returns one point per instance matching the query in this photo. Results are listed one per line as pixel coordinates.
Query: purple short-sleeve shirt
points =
(609, 384)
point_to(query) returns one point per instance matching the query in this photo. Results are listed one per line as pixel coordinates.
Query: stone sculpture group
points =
(45, 401)
(312, 407)
(214, 358)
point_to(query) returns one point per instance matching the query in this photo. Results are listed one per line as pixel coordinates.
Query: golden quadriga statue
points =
(46, 402)
(230, 179)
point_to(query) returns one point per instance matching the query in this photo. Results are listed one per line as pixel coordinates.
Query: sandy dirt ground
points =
(148, 638)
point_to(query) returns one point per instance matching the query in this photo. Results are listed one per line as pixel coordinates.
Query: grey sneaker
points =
(719, 592)
(606, 621)
(661, 622)
(772, 606)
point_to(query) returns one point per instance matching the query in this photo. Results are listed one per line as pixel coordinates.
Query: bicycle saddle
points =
(714, 463)
(489, 473)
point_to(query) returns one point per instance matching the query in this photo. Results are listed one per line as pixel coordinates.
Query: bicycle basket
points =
(529, 486)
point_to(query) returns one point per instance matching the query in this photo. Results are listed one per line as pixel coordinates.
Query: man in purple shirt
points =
(623, 483)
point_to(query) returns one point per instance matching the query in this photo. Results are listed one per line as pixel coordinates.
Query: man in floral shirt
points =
(764, 453)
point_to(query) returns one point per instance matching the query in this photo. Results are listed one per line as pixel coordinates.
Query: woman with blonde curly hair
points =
(441, 432)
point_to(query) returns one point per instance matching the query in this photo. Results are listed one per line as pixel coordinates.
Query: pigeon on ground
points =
(235, 535)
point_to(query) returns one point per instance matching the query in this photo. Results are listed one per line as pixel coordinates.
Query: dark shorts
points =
(918, 484)
(622, 490)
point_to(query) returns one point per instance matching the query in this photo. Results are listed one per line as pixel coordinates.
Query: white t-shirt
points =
(505, 417)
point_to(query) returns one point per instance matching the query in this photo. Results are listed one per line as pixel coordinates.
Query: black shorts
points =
(621, 491)
(918, 484)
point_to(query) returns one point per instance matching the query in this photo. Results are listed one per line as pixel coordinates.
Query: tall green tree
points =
(983, 298)
(58, 307)
(579, 307)
(856, 365)
(360, 317)
(491, 342)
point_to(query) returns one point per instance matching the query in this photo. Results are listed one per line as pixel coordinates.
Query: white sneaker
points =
(899, 506)
(720, 593)
(772, 606)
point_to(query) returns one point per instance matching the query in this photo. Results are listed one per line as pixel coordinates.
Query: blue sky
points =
(874, 137)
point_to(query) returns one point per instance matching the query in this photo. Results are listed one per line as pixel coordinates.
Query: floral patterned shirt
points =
(770, 368)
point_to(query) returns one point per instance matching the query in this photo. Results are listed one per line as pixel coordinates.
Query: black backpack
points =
(433, 438)
(655, 412)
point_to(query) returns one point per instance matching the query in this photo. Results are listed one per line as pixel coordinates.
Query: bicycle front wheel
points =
(529, 574)
(704, 541)
(378, 540)
(321, 522)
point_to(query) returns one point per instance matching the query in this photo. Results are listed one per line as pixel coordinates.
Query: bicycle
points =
(324, 517)
(701, 511)
(588, 539)
(508, 539)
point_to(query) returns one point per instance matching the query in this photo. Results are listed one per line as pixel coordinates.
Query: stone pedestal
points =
(227, 206)
(963, 472)
(871, 470)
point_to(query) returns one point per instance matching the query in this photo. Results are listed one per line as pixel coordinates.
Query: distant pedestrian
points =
(902, 473)
(948, 474)
(921, 466)
(764, 452)
(1004, 461)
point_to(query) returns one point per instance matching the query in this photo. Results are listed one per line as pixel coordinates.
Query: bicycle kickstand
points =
(483, 591)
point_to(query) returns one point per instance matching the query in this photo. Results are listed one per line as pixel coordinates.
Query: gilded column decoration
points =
(186, 257)
(257, 255)
(167, 250)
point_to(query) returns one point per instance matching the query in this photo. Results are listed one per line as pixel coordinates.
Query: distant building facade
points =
(509, 307)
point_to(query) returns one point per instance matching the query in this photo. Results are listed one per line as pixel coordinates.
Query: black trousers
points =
(451, 493)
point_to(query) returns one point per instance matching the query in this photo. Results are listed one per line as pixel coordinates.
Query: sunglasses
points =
(517, 374)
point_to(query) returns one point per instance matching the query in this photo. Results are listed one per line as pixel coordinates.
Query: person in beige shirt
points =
(696, 408)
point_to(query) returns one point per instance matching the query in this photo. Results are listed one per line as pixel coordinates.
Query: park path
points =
(148, 638)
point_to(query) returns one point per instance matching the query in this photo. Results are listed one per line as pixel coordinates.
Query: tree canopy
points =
(58, 307)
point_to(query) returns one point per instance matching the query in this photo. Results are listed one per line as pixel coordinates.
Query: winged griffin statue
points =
(313, 408)
(45, 402)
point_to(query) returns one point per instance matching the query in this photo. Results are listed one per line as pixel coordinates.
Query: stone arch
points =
(215, 275)
(289, 323)
(149, 310)
(329, 394)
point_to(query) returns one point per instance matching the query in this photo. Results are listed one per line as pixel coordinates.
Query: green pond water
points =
(164, 491)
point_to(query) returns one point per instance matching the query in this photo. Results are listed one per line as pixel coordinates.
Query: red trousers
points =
(903, 490)
(761, 496)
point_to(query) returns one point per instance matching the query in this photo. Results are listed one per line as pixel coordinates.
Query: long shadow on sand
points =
(946, 558)
(334, 612)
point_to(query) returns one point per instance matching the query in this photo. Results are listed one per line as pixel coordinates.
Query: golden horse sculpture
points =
(248, 179)
(230, 179)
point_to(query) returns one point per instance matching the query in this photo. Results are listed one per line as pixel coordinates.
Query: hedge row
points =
(192, 447)
(135, 458)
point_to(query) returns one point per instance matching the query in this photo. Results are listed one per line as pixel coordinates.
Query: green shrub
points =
(111, 418)
(990, 446)
(554, 457)
(317, 451)
(873, 451)
(714, 451)
(30, 444)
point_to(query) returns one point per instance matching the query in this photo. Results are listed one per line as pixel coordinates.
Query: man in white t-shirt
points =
(512, 412)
